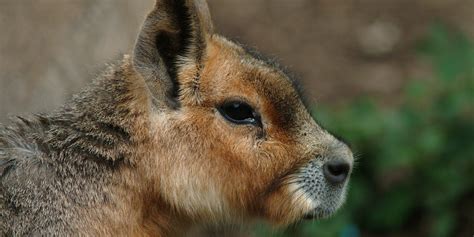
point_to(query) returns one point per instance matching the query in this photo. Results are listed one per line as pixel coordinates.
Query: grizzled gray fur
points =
(52, 164)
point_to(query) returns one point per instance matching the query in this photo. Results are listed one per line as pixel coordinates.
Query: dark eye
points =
(240, 113)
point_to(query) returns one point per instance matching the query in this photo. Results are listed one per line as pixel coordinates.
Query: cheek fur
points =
(186, 178)
(195, 193)
(223, 176)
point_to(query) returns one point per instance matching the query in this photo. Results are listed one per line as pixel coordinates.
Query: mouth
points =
(310, 216)
(319, 213)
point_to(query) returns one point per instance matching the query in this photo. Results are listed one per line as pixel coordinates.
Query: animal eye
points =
(240, 113)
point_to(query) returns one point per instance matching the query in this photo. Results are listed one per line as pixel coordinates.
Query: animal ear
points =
(173, 29)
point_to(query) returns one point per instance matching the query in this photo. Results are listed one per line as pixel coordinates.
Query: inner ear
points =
(173, 42)
(175, 28)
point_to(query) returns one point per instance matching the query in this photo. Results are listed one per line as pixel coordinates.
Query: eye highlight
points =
(239, 112)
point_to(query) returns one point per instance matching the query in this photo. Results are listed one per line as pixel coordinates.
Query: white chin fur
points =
(301, 199)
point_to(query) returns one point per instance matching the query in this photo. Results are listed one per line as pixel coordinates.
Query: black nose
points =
(336, 171)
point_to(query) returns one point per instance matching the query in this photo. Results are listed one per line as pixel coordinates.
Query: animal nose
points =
(336, 171)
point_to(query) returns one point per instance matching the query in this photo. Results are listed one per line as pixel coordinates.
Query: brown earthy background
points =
(394, 77)
(340, 49)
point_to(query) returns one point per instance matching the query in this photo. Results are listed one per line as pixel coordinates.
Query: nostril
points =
(336, 171)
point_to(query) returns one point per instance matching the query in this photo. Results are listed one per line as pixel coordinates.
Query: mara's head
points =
(231, 138)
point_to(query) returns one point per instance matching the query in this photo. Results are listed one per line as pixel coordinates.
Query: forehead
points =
(243, 72)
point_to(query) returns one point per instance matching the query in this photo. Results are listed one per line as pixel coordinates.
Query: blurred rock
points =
(379, 38)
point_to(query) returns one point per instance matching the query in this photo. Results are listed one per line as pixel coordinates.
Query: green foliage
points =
(415, 172)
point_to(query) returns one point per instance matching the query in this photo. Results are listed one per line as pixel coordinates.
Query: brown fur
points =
(145, 152)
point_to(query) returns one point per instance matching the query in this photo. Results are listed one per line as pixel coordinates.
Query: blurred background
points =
(394, 77)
